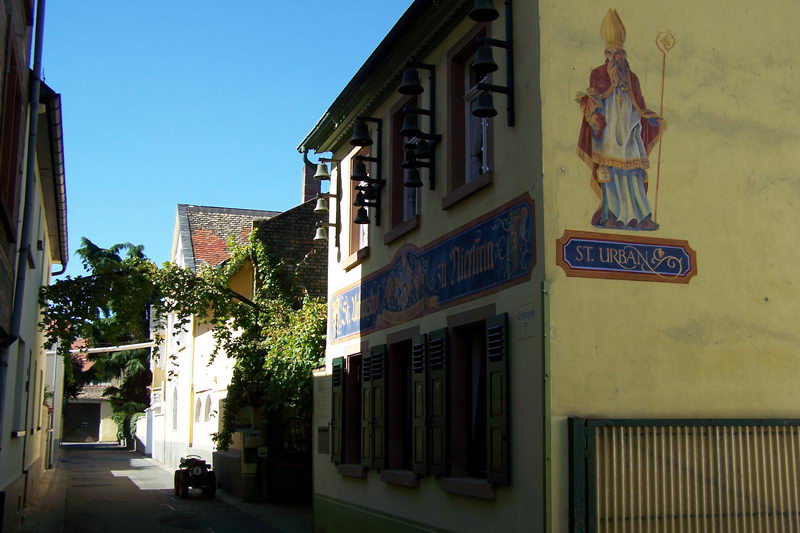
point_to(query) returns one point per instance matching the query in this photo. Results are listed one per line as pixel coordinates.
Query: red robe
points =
(600, 83)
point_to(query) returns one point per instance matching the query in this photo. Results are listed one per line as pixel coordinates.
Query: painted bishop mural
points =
(617, 135)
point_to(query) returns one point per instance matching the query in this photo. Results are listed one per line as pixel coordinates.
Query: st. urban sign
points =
(597, 255)
(487, 255)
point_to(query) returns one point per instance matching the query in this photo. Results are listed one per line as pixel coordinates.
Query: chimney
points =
(310, 187)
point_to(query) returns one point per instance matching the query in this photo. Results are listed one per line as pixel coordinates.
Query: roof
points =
(50, 159)
(92, 392)
(80, 344)
(415, 34)
(205, 231)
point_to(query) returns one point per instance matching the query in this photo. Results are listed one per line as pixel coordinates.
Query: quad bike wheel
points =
(183, 483)
(210, 490)
(176, 482)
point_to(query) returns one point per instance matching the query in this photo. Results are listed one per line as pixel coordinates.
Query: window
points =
(21, 397)
(175, 409)
(11, 131)
(404, 201)
(468, 137)
(198, 408)
(476, 136)
(40, 399)
(346, 419)
(429, 404)
(478, 400)
(467, 401)
(207, 416)
(398, 406)
(468, 416)
(359, 233)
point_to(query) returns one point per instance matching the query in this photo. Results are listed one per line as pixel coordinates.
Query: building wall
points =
(108, 428)
(372, 504)
(289, 237)
(725, 344)
(25, 412)
(14, 18)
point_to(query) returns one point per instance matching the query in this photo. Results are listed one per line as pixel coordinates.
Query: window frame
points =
(400, 222)
(347, 453)
(356, 249)
(458, 186)
(12, 128)
(175, 408)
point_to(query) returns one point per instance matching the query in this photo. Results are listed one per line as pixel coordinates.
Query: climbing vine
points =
(276, 338)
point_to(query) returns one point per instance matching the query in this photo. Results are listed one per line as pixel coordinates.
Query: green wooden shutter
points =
(378, 375)
(437, 375)
(497, 412)
(337, 394)
(419, 385)
(366, 411)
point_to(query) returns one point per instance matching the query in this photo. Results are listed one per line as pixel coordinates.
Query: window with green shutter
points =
(497, 397)
(378, 379)
(399, 411)
(437, 387)
(351, 401)
(366, 411)
(419, 411)
(337, 401)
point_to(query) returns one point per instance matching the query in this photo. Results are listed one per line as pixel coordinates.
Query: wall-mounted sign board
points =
(608, 256)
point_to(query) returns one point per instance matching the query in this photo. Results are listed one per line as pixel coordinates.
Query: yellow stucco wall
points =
(517, 507)
(726, 344)
(108, 429)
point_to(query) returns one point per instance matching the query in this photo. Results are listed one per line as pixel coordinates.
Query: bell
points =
(483, 11)
(321, 234)
(484, 62)
(370, 192)
(484, 108)
(423, 149)
(409, 84)
(322, 205)
(359, 201)
(322, 172)
(410, 125)
(412, 178)
(361, 216)
(360, 134)
(411, 159)
(359, 171)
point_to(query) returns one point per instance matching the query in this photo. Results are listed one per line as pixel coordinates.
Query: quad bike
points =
(195, 473)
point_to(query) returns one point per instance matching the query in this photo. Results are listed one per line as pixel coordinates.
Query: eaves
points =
(419, 30)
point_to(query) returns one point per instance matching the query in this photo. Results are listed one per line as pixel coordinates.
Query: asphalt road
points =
(113, 490)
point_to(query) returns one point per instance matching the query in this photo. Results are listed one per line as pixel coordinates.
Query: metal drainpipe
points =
(27, 219)
(546, 418)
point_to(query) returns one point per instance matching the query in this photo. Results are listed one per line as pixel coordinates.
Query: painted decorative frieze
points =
(487, 255)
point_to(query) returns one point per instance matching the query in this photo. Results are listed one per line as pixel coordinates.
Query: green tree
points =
(276, 339)
(109, 306)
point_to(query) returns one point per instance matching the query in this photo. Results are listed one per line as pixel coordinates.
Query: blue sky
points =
(194, 101)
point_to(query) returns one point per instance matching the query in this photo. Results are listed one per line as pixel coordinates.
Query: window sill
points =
(354, 471)
(469, 486)
(401, 229)
(403, 478)
(468, 189)
(355, 259)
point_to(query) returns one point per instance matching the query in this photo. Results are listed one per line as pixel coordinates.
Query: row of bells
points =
(483, 64)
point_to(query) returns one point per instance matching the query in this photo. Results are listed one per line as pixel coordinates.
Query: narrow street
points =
(110, 489)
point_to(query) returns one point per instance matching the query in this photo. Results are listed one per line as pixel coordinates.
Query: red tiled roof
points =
(210, 227)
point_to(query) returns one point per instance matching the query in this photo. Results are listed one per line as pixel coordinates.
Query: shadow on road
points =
(113, 489)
